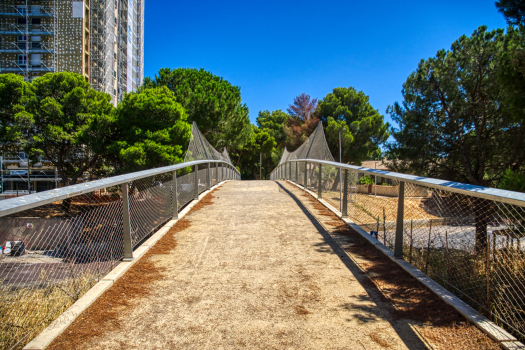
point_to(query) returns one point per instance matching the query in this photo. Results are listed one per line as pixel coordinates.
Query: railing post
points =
(175, 197)
(126, 224)
(305, 175)
(290, 172)
(196, 179)
(208, 177)
(217, 173)
(344, 209)
(297, 173)
(319, 188)
(398, 246)
(222, 171)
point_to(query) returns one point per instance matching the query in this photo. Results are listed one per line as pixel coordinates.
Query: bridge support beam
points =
(344, 209)
(174, 197)
(398, 245)
(126, 224)
(320, 182)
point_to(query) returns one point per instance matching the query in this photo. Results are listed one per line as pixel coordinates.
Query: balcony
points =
(33, 47)
(13, 66)
(23, 11)
(22, 29)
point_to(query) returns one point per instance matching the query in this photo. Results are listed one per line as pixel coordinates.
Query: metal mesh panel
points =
(150, 205)
(472, 246)
(61, 250)
(200, 149)
(315, 147)
(331, 185)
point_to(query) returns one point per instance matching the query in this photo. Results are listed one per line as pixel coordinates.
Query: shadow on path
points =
(402, 326)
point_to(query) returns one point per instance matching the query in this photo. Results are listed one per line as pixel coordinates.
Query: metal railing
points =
(57, 244)
(469, 239)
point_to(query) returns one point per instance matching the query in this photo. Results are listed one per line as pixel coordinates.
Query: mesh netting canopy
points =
(200, 149)
(313, 148)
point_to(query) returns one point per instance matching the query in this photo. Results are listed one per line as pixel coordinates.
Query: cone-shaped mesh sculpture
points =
(200, 149)
(313, 148)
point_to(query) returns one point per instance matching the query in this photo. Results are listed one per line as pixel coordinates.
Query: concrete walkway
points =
(256, 271)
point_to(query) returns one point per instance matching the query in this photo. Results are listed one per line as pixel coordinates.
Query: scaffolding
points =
(28, 32)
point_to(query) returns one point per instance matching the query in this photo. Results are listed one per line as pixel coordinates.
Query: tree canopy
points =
(67, 123)
(303, 107)
(451, 122)
(152, 130)
(512, 10)
(365, 125)
(210, 101)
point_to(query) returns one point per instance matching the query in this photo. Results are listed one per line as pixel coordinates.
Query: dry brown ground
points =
(442, 326)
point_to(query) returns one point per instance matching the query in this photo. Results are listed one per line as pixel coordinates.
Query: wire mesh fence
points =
(469, 239)
(57, 244)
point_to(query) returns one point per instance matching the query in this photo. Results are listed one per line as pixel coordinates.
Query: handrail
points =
(505, 196)
(14, 205)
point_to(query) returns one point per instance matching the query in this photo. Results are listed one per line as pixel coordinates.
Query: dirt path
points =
(256, 270)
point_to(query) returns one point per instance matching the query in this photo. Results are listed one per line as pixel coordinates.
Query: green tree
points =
(512, 73)
(512, 10)
(333, 128)
(67, 123)
(210, 101)
(152, 130)
(365, 125)
(15, 94)
(452, 124)
(248, 157)
(272, 122)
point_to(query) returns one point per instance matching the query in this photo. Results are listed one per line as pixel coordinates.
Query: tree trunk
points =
(336, 181)
(483, 210)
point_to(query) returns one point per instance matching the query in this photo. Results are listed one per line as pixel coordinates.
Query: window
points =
(22, 10)
(22, 60)
(21, 21)
(36, 45)
(22, 38)
(36, 20)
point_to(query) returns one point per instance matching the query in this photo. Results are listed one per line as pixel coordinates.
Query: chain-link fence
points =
(469, 239)
(57, 244)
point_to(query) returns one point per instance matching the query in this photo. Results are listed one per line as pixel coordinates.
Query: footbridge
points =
(323, 255)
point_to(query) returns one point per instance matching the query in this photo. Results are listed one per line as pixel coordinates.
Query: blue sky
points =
(275, 50)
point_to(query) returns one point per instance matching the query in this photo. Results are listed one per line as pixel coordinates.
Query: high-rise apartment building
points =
(101, 39)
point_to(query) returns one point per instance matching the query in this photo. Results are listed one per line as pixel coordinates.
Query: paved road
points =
(256, 271)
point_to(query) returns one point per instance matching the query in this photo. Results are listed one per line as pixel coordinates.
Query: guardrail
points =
(57, 244)
(469, 239)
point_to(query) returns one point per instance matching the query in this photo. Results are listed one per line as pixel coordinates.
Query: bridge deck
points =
(256, 270)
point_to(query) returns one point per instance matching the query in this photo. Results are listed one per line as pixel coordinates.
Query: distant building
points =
(101, 39)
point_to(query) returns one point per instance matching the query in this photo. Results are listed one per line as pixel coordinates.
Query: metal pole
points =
(344, 208)
(1, 175)
(222, 171)
(319, 188)
(126, 224)
(175, 197)
(398, 246)
(297, 172)
(340, 180)
(260, 168)
(305, 174)
(28, 176)
(208, 177)
(217, 173)
(196, 180)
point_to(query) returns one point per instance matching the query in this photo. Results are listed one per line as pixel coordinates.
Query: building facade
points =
(101, 39)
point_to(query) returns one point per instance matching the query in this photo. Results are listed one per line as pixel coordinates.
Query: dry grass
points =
(107, 311)
(380, 341)
(28, 311)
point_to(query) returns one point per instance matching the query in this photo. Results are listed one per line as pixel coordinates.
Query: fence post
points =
(305, 174)
(297, 172)
(196, 179)
(126, 224)
(319, 188)
(217, 173)
(344, 209)
(175, 197)
(398, 246)
(290, 171)
(208, 177)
